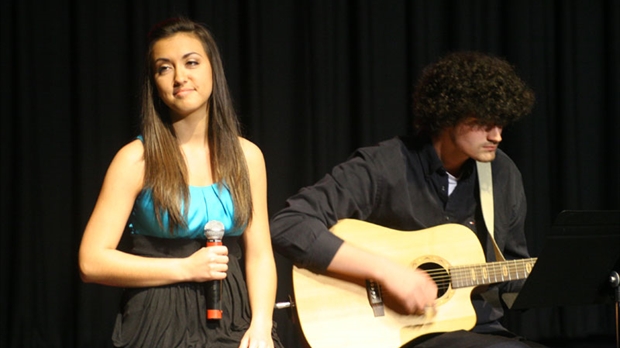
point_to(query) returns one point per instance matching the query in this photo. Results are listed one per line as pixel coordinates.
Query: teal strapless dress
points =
(175, 315)
(207, 203)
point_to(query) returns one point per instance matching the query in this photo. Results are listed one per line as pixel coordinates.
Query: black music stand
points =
(578, 264)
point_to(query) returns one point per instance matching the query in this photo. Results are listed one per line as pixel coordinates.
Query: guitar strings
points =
(497, 271)
(492, 268)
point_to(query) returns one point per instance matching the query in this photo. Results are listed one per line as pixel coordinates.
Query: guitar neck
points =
(489, 273)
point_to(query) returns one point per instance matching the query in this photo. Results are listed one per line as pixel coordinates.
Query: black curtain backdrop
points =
(312, 80)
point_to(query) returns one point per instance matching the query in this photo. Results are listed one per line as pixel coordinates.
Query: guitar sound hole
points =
(439, 274)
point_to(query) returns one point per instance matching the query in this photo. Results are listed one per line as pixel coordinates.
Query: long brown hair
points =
(165, 170)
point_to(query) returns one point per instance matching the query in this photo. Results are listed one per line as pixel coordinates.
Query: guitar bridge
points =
(373, 290)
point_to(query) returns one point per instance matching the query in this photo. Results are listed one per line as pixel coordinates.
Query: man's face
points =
(476, 141)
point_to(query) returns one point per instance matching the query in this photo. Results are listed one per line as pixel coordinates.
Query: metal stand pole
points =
(615, 284)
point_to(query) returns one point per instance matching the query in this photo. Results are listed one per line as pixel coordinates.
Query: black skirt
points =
(175, 315)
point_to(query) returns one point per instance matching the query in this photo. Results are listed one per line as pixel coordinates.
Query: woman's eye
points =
(163, 69)
(192, 63)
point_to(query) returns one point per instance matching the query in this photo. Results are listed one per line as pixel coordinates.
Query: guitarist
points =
(461, 105)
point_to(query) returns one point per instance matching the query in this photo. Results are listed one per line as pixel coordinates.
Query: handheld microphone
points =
(214, 231)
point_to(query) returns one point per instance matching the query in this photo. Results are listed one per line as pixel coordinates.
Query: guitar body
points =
(337, 313)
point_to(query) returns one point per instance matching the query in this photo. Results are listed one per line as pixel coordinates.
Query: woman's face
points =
(183, 74)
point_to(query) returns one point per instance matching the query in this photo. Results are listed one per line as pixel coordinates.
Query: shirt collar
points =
(434, 165)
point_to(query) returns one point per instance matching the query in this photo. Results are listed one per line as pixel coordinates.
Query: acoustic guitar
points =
(335, 312)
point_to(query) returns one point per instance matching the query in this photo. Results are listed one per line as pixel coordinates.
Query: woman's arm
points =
(101, 262)
(260, 265)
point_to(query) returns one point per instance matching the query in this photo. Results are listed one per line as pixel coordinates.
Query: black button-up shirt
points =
(401, 184)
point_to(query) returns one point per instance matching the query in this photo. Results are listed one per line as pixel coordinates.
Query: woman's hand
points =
(257, 336)
(208, 263)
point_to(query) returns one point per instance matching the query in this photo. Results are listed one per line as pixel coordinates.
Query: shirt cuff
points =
(322, 251)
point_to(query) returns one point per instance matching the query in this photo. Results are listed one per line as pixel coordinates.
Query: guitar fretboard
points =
(489, 273)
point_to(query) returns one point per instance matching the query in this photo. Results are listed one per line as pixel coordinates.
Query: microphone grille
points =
(214, 229)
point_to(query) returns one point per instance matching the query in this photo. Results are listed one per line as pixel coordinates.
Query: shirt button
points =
(447, 218)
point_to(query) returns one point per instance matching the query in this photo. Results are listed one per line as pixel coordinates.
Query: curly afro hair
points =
(469, 84)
